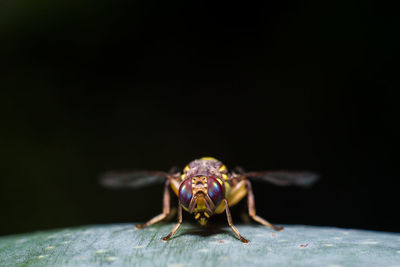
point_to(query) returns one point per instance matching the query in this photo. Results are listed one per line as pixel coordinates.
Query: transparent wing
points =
(283, 178)
(132, 179)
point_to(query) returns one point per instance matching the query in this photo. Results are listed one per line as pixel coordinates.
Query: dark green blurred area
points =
(96, 86)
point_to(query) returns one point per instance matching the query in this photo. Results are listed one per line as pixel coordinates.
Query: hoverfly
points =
(204, 188)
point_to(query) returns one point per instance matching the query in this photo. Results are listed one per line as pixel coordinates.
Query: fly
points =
(205, 188)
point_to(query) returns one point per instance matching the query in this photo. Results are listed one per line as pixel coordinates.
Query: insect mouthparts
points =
(202, 218)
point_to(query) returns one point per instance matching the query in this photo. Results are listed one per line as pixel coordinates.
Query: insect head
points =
(201, 195)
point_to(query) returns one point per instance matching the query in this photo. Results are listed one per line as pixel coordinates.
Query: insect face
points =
(201, 195)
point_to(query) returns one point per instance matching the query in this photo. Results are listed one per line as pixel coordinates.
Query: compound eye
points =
(185, 192)
(215, 191)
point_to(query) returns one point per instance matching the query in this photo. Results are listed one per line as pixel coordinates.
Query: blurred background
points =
(92, 86)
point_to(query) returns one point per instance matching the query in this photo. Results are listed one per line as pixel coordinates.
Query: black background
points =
(105, 85)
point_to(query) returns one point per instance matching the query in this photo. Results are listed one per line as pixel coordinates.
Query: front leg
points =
(230, 222)
(176, 227)
(166, 208)
(252, 209)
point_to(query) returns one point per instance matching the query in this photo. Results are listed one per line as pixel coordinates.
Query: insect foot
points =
(140, 226)
(244, 240)
(166, 238)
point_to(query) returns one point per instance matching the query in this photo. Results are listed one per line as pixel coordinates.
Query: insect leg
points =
(171, 215)
(176, 227)
(229, 216)
(166, 208)
(252, 209)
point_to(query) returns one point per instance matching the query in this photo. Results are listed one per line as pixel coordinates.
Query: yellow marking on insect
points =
(208, 158)
(201, 204)
(202, 221)
(186, 169)
(197, 216)
(183, 176)
(206, 214)
(222, 168)
(227, 189)
(220, 181)
(237, 193)
(224, 176)
(220, 208)
(233, 195)
(175, 186)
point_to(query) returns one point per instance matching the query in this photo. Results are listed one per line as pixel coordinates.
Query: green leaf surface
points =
(122, 245)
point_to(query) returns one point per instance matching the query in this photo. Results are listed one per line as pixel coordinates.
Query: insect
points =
(205, 187)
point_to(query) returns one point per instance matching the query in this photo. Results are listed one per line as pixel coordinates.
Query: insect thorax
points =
(208, 167)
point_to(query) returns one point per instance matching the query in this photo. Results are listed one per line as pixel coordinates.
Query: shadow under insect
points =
(204, 231)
